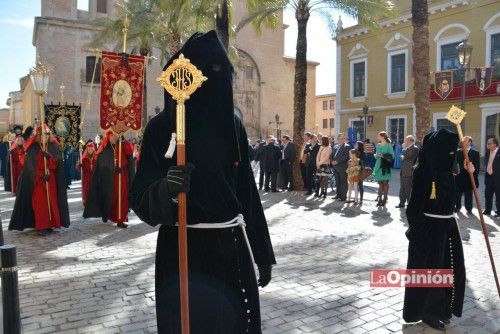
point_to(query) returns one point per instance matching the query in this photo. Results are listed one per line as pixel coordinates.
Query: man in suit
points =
(303, 157)
(287, 159)
(409, 157)
(464, 185)
(492, 176)
(339, 162)
(312, 152)
(271, 155)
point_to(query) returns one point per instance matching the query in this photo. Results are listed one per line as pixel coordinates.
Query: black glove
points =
(46, 154)
(119, 170)
(179, 178)
(264, 274)
(45, 177)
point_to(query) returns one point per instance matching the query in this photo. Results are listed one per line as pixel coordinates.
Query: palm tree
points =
(161, 24)
(366, 12)
(421, 76)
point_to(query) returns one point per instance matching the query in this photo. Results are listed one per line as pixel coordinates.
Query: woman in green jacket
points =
(382, 171)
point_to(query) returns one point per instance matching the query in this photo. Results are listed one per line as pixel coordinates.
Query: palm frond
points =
(262, 14)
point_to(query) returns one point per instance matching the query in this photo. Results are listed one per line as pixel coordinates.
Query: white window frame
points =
(489, 31)
(396, 95)
(351, 121)
(388, 120)
(351, 83)
(435, 117)
(487, 109)
(440, 41)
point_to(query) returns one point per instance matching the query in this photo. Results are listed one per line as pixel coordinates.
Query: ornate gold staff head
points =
(456, 116)
(181, 79)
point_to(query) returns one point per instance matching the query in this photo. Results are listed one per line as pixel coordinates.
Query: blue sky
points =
(16, 31)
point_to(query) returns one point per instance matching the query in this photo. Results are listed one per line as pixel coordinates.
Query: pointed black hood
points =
(211, 106)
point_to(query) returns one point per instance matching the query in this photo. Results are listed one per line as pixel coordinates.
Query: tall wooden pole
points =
(87, 108)
(44, 149)
(120, 178)
(181, 80)
(125, 32)
(456, 115)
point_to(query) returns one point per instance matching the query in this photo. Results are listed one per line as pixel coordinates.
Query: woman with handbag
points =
(322, 162)
(382, 171)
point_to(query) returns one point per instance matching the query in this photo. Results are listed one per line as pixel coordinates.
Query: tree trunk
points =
(222, 23)
(300, 87)
(421, 69)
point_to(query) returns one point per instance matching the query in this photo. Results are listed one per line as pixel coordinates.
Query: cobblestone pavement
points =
(96, 278)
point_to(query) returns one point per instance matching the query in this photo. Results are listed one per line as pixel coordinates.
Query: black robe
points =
(7, 179)
(4, 149)
(100, 196)
(434, 243)
(222, 283)
(23, 215)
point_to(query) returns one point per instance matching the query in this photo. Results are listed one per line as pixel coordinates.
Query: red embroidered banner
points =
(471, 91)
(122, 87)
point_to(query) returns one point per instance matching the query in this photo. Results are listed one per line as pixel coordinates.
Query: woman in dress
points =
(382, 171)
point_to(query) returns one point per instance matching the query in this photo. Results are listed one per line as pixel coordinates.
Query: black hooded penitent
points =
(434, 241)
(223, 289)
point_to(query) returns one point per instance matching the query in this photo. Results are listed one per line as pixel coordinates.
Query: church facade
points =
(263, 81)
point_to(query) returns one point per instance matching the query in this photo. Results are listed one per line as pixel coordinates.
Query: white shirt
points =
(489, 170)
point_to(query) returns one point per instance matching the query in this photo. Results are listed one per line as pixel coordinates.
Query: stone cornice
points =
(358, 30)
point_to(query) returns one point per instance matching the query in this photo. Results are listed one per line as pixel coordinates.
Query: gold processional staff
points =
(181, 79)
(456, 115)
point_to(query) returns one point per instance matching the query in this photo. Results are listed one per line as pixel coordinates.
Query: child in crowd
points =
(353, 175)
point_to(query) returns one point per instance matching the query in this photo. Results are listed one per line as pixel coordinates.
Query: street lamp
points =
(364, 118)
(464, 53)
(365, 114)
(40, 79)
(278, 123)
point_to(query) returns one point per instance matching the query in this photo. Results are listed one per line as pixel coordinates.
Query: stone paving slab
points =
(96, 278)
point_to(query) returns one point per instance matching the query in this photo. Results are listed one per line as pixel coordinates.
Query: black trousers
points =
(342, 186)
(467, 200)
(361, 190)
(287, 170)
(310, 172)
(491, 189)
(405, 189)
(261, 177)
(270, 176)
(303, 174)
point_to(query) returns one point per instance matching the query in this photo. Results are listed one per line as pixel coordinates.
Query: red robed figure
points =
(31, 208)
(88, 166)
(17, 154)
(103, 194)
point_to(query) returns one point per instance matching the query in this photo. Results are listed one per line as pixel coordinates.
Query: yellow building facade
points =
(375, 69)
(325, 115)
